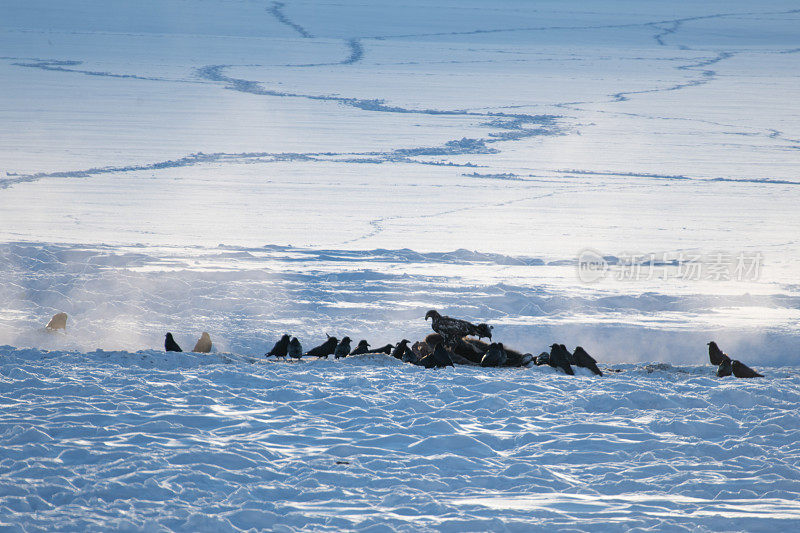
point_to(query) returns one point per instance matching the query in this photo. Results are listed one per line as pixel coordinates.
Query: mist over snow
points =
(620, 175)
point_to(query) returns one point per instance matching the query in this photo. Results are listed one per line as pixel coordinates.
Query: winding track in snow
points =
(513, 124)
(276, 10)
(706, 76)
(222, 157)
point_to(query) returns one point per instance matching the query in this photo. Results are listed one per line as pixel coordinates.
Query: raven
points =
(280, 348)
(170, 345)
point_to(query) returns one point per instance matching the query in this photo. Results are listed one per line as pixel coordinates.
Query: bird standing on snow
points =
(203, 344)
(559, 358)
(59, 321)
(741, 370)
(400, 349)
(363, 347)
(442, 356)
(388, 349)
(295, 349)
(280, 348)
(495, 355)
(170, 345)
(715, 355)
(584, 360)
(429, 361)
(452, 329)
(325, 349)
(725, 368)
(342, 349)
(482, 330)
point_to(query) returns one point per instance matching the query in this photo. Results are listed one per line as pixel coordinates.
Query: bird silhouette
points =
(409, 356)
(482, 330)
(453, 329)
(442, 356)
(400, 349)
(542, 359)
(325, 349)
(342, 349)
(584, 360)
(725, 368)
(715, 355)
(170, 345)
(387, 349)
(741, 370)
(495, 355)
(280, 348)
(559, 358)
(513, 357)
(429, 361)
(362, 347)
(295, 349)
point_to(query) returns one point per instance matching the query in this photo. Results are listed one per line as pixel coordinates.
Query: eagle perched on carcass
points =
(453, 329)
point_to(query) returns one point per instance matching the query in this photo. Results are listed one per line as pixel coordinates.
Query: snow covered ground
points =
(251, 168)
(217, 443)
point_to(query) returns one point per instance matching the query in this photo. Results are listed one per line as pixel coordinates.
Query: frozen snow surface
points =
(191, 442)
(254, 168)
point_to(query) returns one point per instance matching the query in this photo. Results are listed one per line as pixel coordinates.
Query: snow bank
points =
(149, 440)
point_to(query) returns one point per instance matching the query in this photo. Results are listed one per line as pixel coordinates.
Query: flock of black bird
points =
(453, 343)
(727, 366)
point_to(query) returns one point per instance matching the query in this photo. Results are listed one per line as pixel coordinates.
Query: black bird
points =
(495, 355)
(725, 368)
(342, 349)
(400, 349)
(715, 355)
(741, 370)
(470, 349)
(409, 356)
(513, 357)
(280, 348)
(441, 356)
(428, 361)
(388, 349)
(170, 345)
(584, 360)
(482, 330)
(542, 359)
(295, 349)
(559, 358)
(453, 329)
(570, 356)
(325, 349)
(363, 347)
